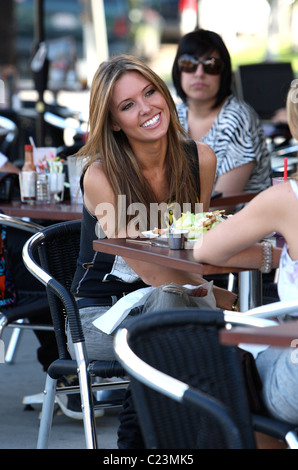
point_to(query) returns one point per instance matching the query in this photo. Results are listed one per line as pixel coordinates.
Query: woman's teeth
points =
(151, 121)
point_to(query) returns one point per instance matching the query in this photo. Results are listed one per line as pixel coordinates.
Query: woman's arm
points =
(234, 242)
(10, 167)
(234, 181)
(207, 167)
(242, 146)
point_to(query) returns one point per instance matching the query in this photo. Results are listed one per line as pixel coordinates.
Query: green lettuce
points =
(199, 223)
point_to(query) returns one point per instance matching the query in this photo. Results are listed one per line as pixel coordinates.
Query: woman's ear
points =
(115, 127)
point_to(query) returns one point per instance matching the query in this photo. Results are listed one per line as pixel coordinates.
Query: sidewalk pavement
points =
(19, 425)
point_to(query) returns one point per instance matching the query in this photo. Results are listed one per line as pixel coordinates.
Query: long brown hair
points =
(113, 149)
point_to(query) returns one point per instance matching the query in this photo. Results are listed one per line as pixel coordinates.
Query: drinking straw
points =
(285, 169)
(32, 142)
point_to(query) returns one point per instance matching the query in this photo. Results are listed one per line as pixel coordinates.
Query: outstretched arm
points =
(235, 241)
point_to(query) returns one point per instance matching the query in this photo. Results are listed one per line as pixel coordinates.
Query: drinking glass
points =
(57, 186)
(277, 180)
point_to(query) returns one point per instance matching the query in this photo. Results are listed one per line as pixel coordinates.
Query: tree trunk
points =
(7, 33)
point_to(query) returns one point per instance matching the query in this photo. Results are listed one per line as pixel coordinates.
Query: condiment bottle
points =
(28, 177)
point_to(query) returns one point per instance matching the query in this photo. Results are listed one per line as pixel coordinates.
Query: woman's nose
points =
(199, 69)
(145, 107)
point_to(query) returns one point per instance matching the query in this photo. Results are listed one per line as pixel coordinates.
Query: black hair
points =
(198, 43)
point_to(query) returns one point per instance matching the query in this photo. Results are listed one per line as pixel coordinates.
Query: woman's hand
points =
(224, 298)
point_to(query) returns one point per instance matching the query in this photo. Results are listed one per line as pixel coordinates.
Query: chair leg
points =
(47, 413)
(13, 344)
(231, 282)
(3, 323)
(86, 396)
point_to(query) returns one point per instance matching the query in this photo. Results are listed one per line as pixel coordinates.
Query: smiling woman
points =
(137, 105)
(136, 156)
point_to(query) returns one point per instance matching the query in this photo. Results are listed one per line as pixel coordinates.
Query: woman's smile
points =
(152, 122)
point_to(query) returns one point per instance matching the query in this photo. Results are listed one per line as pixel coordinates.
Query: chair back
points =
(56, 250)
(264, 86)
(184, 344)
(14, 232)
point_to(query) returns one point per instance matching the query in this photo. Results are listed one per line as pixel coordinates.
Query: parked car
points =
(65, 20)
(168, 10)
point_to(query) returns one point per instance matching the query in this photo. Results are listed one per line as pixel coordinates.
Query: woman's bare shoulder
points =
(206, 154)
(276, 204)
(97, 187)
(280, 194)
(94, 174)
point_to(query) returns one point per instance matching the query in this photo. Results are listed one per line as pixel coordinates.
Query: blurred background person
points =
(7, 166)
(211, 113)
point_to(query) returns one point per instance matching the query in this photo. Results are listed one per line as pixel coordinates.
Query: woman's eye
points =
(127, 106)
(150, 92)
(130, 104)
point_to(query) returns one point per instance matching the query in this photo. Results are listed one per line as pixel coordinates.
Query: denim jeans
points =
(278, 369)
(99, 345)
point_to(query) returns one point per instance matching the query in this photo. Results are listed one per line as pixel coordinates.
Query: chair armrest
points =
(274, 309)
(53, 285)
(19, 223)
(286, 432)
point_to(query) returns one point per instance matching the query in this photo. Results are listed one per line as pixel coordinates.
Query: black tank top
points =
(100, 274)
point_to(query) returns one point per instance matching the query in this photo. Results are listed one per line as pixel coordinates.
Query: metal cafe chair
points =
(27, 305)
(51, 256)
(189, 390)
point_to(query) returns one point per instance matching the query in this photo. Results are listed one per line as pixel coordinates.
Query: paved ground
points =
(19, 426)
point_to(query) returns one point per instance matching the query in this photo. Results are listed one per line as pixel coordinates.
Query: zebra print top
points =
(237, 138)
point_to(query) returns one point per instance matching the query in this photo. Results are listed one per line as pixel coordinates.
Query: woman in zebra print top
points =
(210, 113)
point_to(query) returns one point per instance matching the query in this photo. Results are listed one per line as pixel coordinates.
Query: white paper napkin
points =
(109, 321)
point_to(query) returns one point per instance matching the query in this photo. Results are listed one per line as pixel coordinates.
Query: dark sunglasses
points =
(189, 64)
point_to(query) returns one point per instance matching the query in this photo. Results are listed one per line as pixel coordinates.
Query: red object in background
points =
(187, 5)
(120, 27)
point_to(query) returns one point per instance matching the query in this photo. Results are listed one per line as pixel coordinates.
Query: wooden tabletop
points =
(231, 200)
(61, 211)
(175, 259)
(282, 335)
(68, 211)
